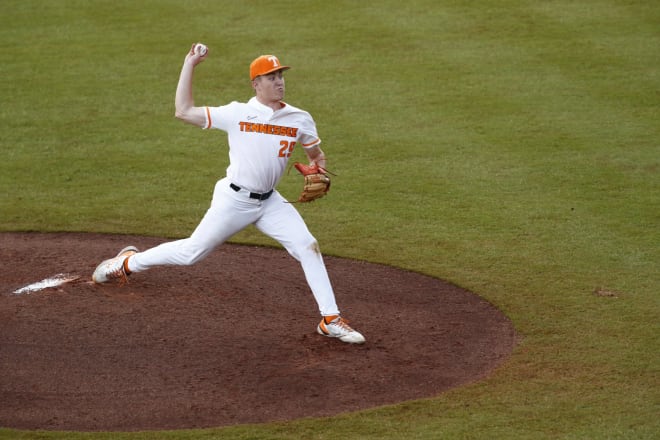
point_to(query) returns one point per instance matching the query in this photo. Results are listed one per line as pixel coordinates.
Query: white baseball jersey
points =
(261, 140)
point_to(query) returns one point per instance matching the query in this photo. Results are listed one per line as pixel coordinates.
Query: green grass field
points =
(510, 147)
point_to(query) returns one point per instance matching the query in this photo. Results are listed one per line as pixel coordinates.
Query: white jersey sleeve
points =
(307, 135)
(221, 117)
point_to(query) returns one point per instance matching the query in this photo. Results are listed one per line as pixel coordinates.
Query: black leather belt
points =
(257, 196)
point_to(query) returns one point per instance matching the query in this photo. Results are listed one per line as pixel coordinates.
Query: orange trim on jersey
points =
(208, 117)
(311, 144)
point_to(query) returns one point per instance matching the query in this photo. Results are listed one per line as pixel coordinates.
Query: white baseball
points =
(201, 49)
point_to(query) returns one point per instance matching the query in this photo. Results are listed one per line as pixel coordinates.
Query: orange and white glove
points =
(316, 184)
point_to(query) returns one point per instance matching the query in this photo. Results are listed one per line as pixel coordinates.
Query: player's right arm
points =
(184, 103)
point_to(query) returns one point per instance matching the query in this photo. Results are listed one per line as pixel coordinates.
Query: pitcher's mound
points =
(230, 340)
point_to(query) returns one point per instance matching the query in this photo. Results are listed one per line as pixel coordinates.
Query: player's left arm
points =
(315, 155)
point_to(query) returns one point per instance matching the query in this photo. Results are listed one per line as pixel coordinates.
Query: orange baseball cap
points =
(264, 65)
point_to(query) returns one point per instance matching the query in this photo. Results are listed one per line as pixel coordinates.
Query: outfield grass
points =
(510, 147)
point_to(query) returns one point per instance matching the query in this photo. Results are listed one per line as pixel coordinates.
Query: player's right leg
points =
(226, 216)
(114, 268)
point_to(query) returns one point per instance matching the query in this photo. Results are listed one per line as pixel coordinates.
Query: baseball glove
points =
(316, 184)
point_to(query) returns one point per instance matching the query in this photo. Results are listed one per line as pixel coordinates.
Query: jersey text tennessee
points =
(278, 130)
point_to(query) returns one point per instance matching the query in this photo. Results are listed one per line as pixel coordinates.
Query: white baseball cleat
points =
(337, 327)
(114, 268)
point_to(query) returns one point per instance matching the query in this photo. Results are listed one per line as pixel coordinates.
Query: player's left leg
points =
(282, 222)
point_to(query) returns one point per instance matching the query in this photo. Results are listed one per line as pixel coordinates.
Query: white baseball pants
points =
(232, 211)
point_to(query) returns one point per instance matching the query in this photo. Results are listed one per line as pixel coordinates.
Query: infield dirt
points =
(228, 341)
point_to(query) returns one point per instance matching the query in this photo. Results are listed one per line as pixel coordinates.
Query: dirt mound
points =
(230, 340)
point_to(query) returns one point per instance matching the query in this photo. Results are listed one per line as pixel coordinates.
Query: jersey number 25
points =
(287, 148)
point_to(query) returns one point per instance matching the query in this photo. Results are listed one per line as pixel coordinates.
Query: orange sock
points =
(127, 271)
(329, 319)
